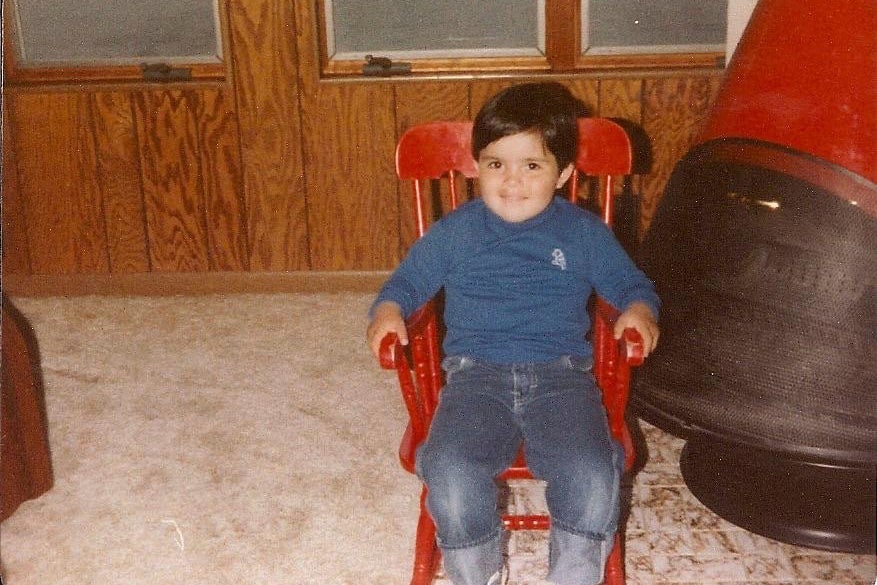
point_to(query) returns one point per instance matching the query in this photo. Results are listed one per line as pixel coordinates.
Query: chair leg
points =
(426, 553)
(614, 574)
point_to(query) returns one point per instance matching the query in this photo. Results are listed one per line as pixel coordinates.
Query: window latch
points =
(383, 66)
(164, 72)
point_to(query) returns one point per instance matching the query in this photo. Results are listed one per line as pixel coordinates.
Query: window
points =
(653, 26)
(162, 40)
(434, 36)
(434, 28)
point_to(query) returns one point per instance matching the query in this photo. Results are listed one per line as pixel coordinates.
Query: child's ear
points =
(564, 176)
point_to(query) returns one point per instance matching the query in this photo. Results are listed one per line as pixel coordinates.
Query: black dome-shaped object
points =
(768, 350)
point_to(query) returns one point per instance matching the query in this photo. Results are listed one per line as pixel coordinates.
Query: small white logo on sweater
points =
(558, 259)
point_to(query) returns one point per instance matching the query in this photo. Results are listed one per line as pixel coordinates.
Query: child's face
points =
(517, 176)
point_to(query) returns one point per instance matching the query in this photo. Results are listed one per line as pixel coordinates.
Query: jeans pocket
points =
(456, 363)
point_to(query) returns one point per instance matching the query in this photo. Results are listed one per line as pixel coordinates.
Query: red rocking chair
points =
(441, 150)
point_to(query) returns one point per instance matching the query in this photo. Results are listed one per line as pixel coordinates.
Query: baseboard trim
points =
(190, 283)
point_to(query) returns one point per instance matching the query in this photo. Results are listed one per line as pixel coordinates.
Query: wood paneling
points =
(621, 98)
(587, 90)
(425, 101)
(56, 163)
(118, 166)
(171, 173)
(219, 151)
(16, 257)
(273, 168)
(265, 66)
(350, 136)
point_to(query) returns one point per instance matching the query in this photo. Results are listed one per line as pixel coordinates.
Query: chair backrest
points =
(444, 149)
(605, 151)
(432, 151)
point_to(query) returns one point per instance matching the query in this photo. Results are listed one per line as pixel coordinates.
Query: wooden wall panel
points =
(587, 90)
(219, 154)
(172, 186)
(350, 137)
(674, 110)
(265, 63)
(56, 162)
(425, 101)
(621, 98)
(16, 256)
(118, 167)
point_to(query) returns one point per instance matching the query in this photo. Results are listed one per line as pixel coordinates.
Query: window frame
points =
(563, 52)
(16, 74)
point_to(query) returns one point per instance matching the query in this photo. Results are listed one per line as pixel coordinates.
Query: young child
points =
(517, 266)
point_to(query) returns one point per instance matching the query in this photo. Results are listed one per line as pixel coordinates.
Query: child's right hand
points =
(640, 317)
(387, 319)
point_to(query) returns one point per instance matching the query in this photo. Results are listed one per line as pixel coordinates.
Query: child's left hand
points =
(639, 316)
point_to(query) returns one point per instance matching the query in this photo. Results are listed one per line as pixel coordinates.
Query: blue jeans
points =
(485, 411)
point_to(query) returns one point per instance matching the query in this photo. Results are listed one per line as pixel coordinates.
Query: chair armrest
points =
(417, 322)
(390, 351)
(632, 347)
(418, 371)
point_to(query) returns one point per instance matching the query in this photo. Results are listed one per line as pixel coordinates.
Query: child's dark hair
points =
(548, 109)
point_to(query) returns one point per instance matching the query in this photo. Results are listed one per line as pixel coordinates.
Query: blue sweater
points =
(517, 292)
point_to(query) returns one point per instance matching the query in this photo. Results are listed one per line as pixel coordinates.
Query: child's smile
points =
(517, 176)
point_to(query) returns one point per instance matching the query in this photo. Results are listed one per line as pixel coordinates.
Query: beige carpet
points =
(252, 440)
(205, 440)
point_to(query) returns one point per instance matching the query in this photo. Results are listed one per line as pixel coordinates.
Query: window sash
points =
(639, 19)
(338, 48)
(107, 55)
